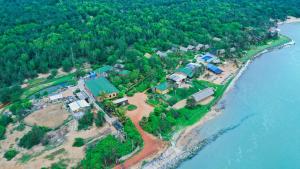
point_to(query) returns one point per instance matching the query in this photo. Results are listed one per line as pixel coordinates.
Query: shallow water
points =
(261, 118)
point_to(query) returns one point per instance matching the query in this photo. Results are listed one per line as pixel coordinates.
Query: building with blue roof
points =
(214, 69)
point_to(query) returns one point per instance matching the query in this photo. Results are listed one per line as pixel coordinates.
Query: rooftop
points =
(203, 94)
(74, 106)
(100, 85)
(162, 86)
(186, 70)
(214, 69)
(177, 77)
(104, 69)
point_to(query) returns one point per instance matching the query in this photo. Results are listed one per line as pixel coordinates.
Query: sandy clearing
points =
(73, 154)
(52, 116)
(206, 101)
(229, 70)
(179, 105)
(152, 145)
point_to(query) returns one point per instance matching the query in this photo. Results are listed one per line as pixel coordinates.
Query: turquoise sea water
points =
(260, 126)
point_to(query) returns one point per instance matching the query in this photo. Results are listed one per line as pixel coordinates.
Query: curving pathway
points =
(152, 145)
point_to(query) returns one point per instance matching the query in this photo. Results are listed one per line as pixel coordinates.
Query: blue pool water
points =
(260, 126)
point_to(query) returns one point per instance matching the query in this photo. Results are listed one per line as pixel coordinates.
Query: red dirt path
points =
(152, 145)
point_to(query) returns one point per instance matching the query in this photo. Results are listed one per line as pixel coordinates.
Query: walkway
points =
(152, 145)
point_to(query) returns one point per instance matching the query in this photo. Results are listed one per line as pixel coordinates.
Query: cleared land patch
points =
(52, 116)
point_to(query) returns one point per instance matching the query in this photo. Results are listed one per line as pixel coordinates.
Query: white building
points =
(56, 97)
(78, 105)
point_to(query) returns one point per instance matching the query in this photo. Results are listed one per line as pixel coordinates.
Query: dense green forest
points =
(39, 35)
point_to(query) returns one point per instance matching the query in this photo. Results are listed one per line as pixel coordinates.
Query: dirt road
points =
(152, 145)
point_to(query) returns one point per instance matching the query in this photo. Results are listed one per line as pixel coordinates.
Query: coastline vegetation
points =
(254, 50)
(164, 122)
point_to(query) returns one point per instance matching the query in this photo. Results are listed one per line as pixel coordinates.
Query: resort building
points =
(185, 71)
(214, 69)
(162, 88)
(208, 58)
(177, 78)
(203, 94)
(101, 86)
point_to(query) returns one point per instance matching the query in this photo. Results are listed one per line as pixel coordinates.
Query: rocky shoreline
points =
(184, 145)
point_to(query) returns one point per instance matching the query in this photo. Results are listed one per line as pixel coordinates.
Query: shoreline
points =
(290, 19)
(183, 146)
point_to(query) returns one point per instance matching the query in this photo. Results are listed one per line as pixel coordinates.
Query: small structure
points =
(79, 105)
(203, 94)
(121, 102)
(214, 69)
(274, 32)
(199, 47)
(119, 66)
(103, 71)
(162, 88)
(100, 86)
(183, 49)
(161, 54)
(221, 52)
(56, 97)
(92, 75)
(191, 47)
(216, 39)
(147, 55)
(206, 47)
(208, 58)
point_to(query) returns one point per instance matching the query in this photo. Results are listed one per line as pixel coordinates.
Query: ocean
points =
(260, 125)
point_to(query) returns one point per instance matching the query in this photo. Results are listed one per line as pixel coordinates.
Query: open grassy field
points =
(52, 116)
(257, 49)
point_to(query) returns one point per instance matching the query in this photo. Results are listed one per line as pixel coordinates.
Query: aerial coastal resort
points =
(107, 114)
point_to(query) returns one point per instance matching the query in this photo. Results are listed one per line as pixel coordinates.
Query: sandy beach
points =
(183, 144)
(290, 19)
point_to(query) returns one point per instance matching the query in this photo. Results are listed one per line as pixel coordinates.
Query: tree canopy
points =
(37, 36)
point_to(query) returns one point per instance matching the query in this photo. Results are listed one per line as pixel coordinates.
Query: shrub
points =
(10, 154)
(131, 107)
(20, 127)
(33, 137)
(99, 120)
(78, 142)
(2, 132)
(86, 121)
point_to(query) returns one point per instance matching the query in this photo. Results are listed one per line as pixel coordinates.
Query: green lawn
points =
(40, 84)
(270, 44)
(183, 93)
